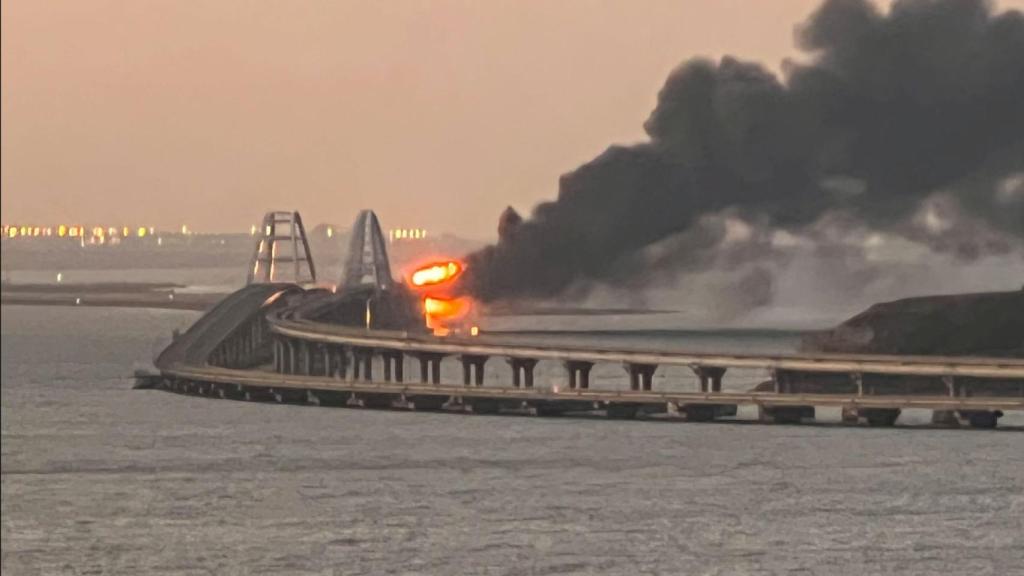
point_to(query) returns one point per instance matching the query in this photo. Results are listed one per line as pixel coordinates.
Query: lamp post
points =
(369, 315)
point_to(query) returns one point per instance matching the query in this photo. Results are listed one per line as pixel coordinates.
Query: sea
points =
(98, 478)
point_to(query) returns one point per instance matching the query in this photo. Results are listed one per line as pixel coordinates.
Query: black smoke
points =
(908, 122)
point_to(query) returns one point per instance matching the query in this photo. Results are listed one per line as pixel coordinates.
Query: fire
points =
(445, 308)
(437, 273)
(442, 305)
(439, 313)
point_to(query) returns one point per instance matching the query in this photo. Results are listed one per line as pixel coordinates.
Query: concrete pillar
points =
(858, 380)
(641, 376)
(291, 357)
(710, 378)
(393, 365)
(473, 369)
(950, 383)
(307, 357)
(368, 366)
(430, 366)
(579, 373)
(522, 371)
(399, 359)
(362, 363)
(343, 362)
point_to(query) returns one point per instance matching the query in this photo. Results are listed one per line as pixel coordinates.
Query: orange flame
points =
(436, 273)
(445, 308)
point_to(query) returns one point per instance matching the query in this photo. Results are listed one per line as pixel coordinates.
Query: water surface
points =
(100, 479)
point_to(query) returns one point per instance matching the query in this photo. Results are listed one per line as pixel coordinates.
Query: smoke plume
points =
(908, 123)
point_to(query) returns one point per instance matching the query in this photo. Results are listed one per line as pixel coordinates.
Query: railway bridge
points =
(251, 346)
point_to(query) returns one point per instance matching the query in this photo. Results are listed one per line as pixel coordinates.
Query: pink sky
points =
(436, 114)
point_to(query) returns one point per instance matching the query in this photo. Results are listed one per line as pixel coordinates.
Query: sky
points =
(436, 114)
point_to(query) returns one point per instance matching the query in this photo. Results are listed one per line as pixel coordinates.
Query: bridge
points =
(261, 343)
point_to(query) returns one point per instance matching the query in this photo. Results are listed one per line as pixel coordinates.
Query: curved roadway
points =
(195, 345)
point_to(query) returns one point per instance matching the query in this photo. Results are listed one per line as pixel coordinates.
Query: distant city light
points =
(142, 231)
(406, 234)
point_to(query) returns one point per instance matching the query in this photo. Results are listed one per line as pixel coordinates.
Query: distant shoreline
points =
(160, 295)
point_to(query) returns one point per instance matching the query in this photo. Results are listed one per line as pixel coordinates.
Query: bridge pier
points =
(290, 357)
(430, 367)
(289, 395)
(785, 414)
(294, 357)
(322, 360)
(339, 362)
(232, 391)
(362, 359)
(393, 365)
(579, 374)
(473, 366)
(522, 371)
(972, 418)
(641, 376)
(307, 358)
(710, 378)
(314, 353)
(259, 394)
(279, 356)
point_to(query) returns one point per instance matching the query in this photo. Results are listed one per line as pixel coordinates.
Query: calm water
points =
(100, 479)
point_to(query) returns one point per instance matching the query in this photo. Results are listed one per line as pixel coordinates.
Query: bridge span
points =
(254, 346)
(278, 341)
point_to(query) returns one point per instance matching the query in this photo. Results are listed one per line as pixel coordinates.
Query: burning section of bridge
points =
(435, 274)
(445, 307)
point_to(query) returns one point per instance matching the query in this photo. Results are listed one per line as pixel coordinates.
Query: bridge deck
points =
(266, 379)
(317, 361)
(1010, 368)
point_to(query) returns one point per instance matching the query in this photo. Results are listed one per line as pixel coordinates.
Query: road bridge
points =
(253, 346)
(269, 341)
